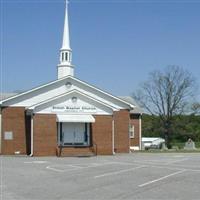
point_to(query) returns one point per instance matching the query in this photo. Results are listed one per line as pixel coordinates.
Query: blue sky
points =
(115, 43)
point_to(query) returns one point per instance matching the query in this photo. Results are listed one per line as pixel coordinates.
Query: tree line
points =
(183, 127)
(167, 98)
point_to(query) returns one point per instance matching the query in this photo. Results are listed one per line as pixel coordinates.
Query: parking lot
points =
(124, 176)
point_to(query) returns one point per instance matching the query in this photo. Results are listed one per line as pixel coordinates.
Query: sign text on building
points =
(62, 108)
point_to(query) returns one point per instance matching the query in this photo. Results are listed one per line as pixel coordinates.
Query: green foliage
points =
(186, 126)
(151, 126)
(182, 128)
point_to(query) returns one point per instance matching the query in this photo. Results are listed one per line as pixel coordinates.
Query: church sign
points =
(79, 107)
(63, 108)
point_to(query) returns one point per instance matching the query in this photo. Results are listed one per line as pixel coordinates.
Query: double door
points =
(74, 133)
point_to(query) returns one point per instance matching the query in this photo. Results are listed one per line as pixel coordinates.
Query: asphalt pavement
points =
(144, 176)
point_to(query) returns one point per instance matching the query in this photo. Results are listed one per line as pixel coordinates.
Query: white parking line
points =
(56, 170)
(118, 172)
(76, 166)
(159, 179)
(176, 161)
(36, 162)
(174, 168)
(163, 165)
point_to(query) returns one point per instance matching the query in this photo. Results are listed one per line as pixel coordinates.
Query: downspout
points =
(31, 154)
(129, 139)
(0, 130)
(113, 136)
(140, 131)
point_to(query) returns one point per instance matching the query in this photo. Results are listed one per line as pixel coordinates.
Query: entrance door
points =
(79, 136)
(74, 134)
(68, 133)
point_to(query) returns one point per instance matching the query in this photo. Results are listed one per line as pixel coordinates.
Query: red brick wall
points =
(13, 119)
(121, 119)
(134, 120)
(102, 134)
(44, 134)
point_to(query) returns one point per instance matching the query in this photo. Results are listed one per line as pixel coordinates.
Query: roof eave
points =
(34, 89)
(73, 78)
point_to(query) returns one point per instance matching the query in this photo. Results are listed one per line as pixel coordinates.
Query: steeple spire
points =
(65, 67)
(66, 41)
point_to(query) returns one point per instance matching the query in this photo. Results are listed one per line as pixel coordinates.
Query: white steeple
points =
(65, 67)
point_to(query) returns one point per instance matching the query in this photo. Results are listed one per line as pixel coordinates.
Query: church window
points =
(132, 131)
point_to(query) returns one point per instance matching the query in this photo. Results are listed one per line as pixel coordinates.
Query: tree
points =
(166, 94)
(195, 108)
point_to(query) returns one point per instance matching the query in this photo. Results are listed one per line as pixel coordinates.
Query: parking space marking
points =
(77, 166)
(162, 178)
(36, 162)
(54, 169)
(168, 161)
(168, 167)
(119, 172)
(171, 167)
(165, 165)
(176, 161)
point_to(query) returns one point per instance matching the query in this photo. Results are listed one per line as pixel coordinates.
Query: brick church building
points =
(68, 116)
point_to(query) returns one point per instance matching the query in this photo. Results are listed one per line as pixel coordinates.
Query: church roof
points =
(4, 96)
(59, 87)
(128, 99)
(137, 109)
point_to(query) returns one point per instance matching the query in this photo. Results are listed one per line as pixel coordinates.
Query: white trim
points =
(68, 93)
(76, 118)
(65, 78)
(31, 90)
(106, 93)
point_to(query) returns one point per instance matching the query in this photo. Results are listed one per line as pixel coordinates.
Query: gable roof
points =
(72, 92)
(63, 81)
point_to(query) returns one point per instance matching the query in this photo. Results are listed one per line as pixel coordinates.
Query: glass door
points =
(74, 134)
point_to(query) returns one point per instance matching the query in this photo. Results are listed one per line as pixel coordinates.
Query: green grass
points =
(169, 151)
(181, 145)
(177, 147)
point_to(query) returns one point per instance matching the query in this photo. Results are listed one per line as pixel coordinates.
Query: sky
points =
(115, 44)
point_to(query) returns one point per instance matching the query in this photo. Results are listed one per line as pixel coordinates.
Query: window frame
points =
(131, 131)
